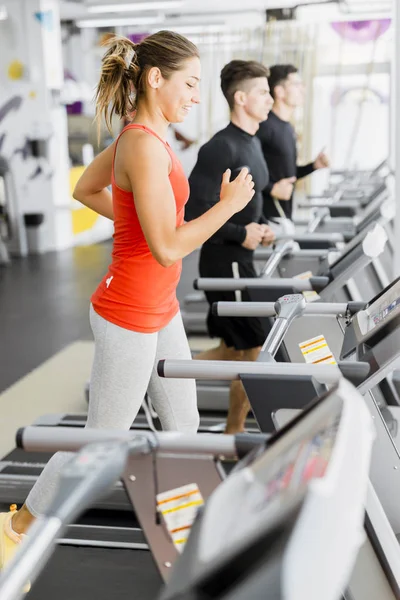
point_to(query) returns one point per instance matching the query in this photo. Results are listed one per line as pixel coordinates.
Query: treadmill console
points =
(267, 481)
(270, 518)
(379, 318)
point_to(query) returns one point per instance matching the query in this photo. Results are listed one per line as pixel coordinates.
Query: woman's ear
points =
(154, 77)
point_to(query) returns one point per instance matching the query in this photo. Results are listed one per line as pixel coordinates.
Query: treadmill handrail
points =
(267, 309)
(231, 370)
(282, 248)
(51, 439)
(318, 217)
(312, 237)
(231, 284)
(86, 476)
(265, 253)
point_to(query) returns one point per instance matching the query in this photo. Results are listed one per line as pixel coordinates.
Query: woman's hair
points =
(125, 65)
(236, 73)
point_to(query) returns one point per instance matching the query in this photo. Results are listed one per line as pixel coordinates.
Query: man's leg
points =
(221, 352)
(239, 404)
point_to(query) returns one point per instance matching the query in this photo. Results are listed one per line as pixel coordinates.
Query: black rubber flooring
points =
(76, 573)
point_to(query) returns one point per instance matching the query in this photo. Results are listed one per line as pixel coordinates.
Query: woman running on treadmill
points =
(134, 312)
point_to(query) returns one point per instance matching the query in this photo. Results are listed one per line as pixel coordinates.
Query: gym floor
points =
(44, 304)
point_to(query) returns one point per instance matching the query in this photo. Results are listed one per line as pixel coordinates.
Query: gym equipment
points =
(339, 269)
(329, 279)
(377, 206)
(195, 306)
(372, 335)
(253, 537)
(12, 231)
(213, 398)
(110, 523)
(329, 284)
(297, 261)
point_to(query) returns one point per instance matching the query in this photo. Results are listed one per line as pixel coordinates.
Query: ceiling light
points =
(110, 8)
(199, 29)
(119, 22)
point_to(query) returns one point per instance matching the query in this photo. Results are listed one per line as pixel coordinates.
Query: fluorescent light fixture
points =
(198, 29)
(138, 6)
(3, 13)
(333, 12)
(119, 22)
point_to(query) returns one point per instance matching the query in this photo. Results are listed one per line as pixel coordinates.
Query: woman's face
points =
(180, 92)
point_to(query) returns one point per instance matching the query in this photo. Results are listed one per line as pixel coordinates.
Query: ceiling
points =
(248, 13)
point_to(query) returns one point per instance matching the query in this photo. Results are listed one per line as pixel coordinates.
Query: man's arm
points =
(321, 162)
(305, 170)
(205, 181)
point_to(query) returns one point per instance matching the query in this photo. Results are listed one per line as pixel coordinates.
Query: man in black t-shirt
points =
(229, 252)
(278, 140)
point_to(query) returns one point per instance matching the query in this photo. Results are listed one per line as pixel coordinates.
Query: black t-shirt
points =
(278, 141)
(231, 148)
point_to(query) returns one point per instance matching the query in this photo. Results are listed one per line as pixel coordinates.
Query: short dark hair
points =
(278, 74)
(235, 73)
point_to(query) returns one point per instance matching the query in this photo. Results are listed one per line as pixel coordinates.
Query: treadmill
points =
(110, 521)
(195, 306)
(293, 262)
(377, 207)
(370, 334)
(213, 397)
(331, 282)
(287, 522)
(356, 177)
(345, 214)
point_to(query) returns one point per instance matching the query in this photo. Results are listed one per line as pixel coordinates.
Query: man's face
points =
(291, 91)
(258, 100)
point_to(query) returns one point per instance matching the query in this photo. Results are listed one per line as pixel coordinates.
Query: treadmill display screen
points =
(378, 320)
(270, 480)
(383, 311)
(380, 311)
(293, 469)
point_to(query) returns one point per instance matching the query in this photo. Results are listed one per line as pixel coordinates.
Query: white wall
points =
(41, 183)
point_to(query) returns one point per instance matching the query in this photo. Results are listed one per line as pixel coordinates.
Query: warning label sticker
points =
(316, 351)
(178, 509)
(309, 295)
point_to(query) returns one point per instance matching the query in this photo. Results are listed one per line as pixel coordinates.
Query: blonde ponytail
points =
(116, 91)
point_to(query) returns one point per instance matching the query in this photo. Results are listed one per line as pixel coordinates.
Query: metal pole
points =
(221, 370)
(71, 439)
(395, 127)
(267, 309)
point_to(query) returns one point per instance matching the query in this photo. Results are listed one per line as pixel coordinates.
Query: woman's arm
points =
(91, 188)
(147, 164)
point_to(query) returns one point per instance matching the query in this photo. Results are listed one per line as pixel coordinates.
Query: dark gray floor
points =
(44, 304)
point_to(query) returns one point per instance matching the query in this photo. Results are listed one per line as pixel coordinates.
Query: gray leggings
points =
(124, 368)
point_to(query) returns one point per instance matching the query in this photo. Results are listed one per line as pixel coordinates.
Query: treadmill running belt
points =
(98, 574)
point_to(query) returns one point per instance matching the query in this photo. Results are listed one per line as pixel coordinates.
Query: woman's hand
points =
(239, 192)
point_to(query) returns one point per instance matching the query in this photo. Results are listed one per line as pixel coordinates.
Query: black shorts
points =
(242, 333)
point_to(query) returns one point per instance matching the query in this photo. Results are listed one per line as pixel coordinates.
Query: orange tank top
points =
(137, 292)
